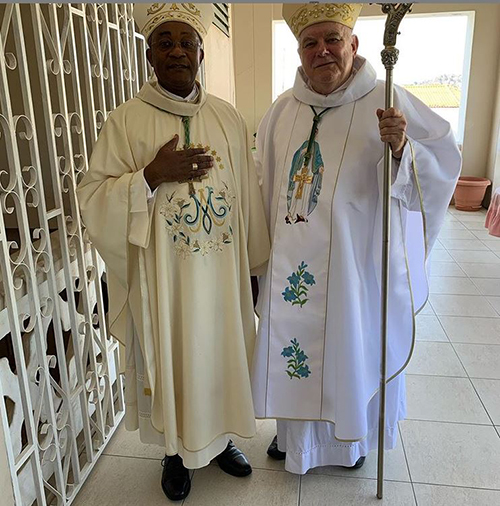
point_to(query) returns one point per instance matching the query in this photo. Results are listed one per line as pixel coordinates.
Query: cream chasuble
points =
(179, 270)
(318, 348)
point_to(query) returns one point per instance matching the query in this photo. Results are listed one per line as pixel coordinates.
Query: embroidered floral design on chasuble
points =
(296, 292)
(304, 183)
(199, 223)
(297, 367)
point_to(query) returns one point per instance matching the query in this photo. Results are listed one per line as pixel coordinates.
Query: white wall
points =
(252, 46)
(494, 157)
(219, 67)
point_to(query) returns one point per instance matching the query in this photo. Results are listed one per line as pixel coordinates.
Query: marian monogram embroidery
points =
(297, 367)
(296, 292)
(197, 224)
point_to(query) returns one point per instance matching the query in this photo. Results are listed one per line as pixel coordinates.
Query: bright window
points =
(434, 59)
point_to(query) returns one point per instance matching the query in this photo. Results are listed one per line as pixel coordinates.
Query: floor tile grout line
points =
(456, 486)
(452, 423)
(462, 294)
(131, 457)
(454, 252)
(300, 490)
(495, 315)
(464, 222)
(466, 487)
(448, 376)
(407, 464)
(481, 401)
(489, 302)
(159, 460)
(458, 262)
(421, 340)
(474, 344)
(258, 468)
(467, 372)
(453, 315)
(355, 477)
(472, 280)
(192, 479)
(494, 239)
(461, 316)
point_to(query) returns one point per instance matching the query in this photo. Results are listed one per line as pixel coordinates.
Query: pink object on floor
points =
(493, 217)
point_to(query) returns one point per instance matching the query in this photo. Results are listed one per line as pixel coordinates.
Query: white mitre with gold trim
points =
(149, 16)
(300, 16)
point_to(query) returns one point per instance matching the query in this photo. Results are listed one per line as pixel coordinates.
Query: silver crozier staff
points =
(395, 13)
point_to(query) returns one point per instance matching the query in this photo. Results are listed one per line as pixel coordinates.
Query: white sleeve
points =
(149, 193)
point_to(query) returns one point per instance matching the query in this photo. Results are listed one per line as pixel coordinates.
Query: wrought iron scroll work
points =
(63, 69)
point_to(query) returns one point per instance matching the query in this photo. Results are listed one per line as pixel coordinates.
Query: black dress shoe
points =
(175, 480)
(273, 451)
(358, 465)
(233, 461)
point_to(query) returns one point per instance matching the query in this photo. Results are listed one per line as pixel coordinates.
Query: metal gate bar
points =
(63, 68)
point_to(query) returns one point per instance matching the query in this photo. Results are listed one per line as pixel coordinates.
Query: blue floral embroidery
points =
(288, 295)
(294, 280)
(297, 367)
(299, 281)
(308, 279)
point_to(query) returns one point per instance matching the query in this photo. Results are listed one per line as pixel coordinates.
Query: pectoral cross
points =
(302, 178)
(191, 182)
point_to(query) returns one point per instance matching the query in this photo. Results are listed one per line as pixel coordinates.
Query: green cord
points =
(187, 132)
(314, 131)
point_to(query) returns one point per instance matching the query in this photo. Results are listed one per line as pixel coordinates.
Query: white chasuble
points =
(318, 347)
(179, 270)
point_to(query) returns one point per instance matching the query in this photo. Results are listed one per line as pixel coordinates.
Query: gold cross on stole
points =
(302, 178)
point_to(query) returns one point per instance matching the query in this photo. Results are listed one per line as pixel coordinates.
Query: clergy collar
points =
(190, 98)
(152, 93)
(361, 81)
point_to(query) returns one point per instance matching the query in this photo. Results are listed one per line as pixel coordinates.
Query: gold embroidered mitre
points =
(300, 16)
(150, 16)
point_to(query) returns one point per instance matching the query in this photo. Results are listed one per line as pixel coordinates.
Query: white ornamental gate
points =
(63, 68)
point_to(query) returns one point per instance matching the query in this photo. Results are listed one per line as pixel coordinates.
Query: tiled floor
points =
(449, 451)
